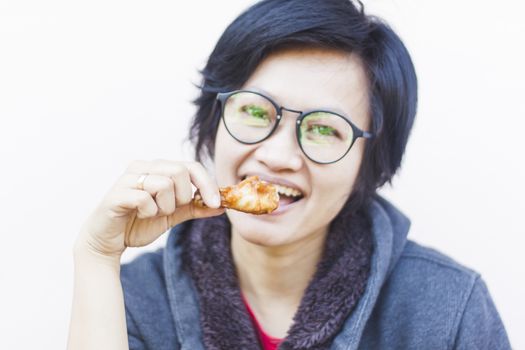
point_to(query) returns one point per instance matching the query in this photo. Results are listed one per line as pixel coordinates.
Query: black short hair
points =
(272, 25)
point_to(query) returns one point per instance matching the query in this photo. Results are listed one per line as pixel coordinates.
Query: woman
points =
(319, 99)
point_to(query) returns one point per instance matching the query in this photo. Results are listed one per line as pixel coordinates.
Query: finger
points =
(126, 200)
(161, 188)
(176, 171)
(205, 183)
(165, 199)
(197, 175)
(191, 211)
(183, 190)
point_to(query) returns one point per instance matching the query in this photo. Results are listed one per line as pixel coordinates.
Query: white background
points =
(86, 87)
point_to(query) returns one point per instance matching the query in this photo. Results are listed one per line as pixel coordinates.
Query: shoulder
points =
(431, 281)
(434, 300)
(416, 258)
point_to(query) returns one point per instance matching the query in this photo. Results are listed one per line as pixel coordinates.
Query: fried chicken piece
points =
(250, 196)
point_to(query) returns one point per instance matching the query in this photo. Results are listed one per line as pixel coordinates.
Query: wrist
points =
(85, 253)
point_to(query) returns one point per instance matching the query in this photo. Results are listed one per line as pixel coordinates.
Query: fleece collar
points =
(190, 292)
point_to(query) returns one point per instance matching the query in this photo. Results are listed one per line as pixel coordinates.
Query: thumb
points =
(192, 211)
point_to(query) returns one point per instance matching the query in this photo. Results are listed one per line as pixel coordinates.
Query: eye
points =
(323, 130)
(255, 111)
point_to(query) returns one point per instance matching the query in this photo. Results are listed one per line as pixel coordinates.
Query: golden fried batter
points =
(250, 196)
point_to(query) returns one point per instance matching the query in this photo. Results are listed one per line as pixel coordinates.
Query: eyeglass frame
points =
(222, 97)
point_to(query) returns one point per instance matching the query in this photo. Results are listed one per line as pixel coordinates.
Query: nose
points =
(280, 151)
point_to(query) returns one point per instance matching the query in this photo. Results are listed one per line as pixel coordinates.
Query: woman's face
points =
(299, 79)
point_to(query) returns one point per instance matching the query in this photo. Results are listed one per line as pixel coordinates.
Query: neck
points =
(277, 275)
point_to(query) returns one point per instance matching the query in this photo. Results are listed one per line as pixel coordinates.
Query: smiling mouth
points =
(287, 195)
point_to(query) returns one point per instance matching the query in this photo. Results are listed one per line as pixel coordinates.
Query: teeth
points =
(287, 191)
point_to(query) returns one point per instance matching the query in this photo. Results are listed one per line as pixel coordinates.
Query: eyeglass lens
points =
(324, 137)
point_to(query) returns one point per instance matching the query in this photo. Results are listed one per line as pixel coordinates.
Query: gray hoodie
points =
(415, 298)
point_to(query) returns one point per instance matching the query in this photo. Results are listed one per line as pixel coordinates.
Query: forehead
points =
(311, 78)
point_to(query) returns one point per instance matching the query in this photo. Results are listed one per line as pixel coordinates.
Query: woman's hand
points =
(130, 217)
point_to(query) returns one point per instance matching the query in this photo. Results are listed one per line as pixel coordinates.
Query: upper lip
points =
(277, 181)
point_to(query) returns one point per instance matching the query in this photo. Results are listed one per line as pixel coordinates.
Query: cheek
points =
(337, 181)
(222, 154)
(229, 154)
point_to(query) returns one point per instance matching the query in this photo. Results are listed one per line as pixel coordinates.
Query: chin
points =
(263, 240)
(257, 232)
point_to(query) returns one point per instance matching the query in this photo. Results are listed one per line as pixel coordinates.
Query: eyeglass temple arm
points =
(366, 135)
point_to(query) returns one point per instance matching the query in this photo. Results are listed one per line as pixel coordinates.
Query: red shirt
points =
(267, 341)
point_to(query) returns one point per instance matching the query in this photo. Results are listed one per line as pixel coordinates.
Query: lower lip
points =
(285, 207)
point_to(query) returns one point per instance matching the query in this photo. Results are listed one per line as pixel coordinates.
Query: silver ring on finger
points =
(140, 181)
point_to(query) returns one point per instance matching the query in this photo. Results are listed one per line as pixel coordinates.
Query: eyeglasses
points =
(324, 136)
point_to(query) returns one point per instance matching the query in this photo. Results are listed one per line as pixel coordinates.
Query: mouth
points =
(288, 193)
